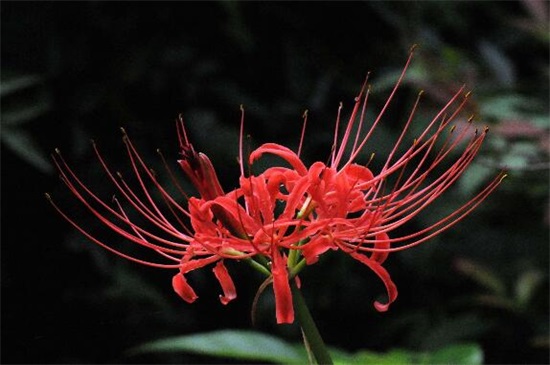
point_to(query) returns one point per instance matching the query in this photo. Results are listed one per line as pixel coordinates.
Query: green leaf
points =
(482, 275)
(18, 83)
(256, 346)
(415, 74)
(508, 106)
(24, 145)
(367, 357)
(519, 155)
(499, 63)
(127, 285)
(26, 114)
(526, 286)
(236, 344)
(467, 354)
(474, 178)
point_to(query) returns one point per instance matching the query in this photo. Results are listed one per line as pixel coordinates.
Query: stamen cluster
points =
(285, 217)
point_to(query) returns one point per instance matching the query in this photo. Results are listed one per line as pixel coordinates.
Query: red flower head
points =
(287, 216)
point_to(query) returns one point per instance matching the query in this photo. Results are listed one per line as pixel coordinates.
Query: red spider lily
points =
(337, 205)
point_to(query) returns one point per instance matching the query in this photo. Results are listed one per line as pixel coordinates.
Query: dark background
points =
(72, 71)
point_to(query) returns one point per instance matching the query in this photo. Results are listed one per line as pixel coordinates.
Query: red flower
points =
(350, 208)
(287, 216)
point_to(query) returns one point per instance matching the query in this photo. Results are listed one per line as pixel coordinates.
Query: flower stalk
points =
(313, 341)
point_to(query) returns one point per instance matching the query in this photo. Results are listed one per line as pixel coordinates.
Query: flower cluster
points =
(285, 217)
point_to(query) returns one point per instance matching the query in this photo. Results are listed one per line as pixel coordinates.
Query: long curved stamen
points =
(67, 180)
(445, 223)
(336, 161)
(304, 117)
(105, 246)
(384, 108)
(241, 134)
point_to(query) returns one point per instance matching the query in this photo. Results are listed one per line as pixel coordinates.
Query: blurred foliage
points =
(236, 344)
(257, 346)
(72, 71)
(23, 100)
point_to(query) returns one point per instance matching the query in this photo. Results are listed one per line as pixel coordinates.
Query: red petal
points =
(382, 274)
(283, 297)
(317, 246)
(194, 264)
(281, 151)
(229, 291)
(358, 175)
(200, 171)
(382, 241)
(183, 289)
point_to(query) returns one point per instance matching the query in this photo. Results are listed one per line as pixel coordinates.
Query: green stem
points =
(297, 268)
(309, 329)
(259, 267)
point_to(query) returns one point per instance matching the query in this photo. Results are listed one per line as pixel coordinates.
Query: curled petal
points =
(317, 185)
(317, 246)
(356, 202)
(235, 213)
(295, 198)
(201, 219)
(286, 175)
(229, 291)
(358, 175)
(383, 275)
(203, 211)
(200, 171)
(260, 199)
(382, 242)
(281, 287)
(190, 265)
(274, 182)
(285, 153)
(319, 171)
(319, 175)
(183, 289)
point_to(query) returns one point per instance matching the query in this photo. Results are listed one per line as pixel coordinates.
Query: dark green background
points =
(72, 71)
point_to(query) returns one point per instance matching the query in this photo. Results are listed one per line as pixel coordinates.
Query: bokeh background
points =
(72, 71)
